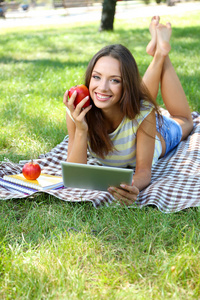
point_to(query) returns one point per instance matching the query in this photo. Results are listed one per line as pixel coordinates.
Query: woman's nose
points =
(103, 86)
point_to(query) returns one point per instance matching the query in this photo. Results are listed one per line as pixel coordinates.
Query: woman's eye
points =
(115, 80)
(95, 77)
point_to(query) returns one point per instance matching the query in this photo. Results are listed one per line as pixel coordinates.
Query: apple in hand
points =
(31, 170)
(82, 92)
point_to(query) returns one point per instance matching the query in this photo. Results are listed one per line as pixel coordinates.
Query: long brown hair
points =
(133, 91)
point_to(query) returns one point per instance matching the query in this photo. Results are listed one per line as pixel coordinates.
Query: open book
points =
(42, 183)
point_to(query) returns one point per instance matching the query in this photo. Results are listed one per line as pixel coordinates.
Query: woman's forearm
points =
(78, 152)
(142, 179)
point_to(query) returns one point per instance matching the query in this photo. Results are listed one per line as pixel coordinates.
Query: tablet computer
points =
(93, 176)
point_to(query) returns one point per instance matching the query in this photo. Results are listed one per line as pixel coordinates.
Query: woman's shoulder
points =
(145, 106)
(145, 109)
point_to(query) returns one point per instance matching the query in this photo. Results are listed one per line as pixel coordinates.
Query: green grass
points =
(50, 249)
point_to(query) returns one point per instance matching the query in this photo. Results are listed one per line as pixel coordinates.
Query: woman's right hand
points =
(78, 113)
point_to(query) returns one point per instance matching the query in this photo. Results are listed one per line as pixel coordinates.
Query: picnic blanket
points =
(175, 183)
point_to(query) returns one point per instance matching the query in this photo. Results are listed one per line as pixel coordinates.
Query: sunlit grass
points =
(53, 250)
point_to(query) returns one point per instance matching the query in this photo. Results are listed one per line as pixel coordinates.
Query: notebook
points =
(10, 186)
(43, 182)
(94, 177)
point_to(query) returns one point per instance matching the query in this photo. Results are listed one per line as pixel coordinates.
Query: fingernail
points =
(123, 185)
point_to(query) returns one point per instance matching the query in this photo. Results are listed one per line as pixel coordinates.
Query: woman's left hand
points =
(126, 194)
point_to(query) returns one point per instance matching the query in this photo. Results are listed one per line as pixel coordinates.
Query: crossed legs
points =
(161, 73)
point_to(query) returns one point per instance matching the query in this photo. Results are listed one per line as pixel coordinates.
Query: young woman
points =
(123, 126)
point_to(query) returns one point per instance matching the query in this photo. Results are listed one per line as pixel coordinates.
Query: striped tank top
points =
(124, 141)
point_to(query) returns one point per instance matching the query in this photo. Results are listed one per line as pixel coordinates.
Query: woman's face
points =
(106, 83)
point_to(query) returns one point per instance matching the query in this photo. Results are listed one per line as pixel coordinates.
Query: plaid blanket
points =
(175, 183)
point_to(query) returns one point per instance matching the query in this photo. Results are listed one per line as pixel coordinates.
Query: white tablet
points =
(94, 177)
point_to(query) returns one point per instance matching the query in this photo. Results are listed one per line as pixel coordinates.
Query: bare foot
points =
(163, 38)
(151, 47)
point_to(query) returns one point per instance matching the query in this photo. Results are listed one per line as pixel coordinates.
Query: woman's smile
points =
(102, 97)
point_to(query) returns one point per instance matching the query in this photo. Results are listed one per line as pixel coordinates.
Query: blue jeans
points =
(171, 132)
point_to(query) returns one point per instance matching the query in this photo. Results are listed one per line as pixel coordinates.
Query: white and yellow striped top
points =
(124, 141)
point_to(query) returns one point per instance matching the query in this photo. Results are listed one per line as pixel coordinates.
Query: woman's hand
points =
(78, 113)
(126, 194)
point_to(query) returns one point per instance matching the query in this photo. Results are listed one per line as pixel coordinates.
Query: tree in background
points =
(108, 15)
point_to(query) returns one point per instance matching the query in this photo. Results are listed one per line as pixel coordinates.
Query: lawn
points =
(50, 249)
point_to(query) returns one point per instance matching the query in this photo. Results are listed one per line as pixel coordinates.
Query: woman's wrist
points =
(81, 132)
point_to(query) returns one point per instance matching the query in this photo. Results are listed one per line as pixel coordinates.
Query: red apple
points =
(82, 92)
(31, 170)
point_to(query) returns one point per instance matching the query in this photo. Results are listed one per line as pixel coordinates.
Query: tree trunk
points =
(108, 14)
